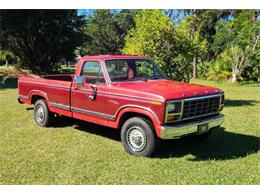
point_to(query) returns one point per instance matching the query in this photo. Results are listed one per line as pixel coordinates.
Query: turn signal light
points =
(170, 117)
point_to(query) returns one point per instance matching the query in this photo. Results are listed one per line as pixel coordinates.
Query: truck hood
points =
(168, 89)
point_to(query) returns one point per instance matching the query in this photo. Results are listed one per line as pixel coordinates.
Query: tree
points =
(200, 27)
(207, 27)
(7, 57)
(105, 31)
(124, 22)
(40, 38)
(240, 38)
(155, 36)
(199, 45)
(176, 15)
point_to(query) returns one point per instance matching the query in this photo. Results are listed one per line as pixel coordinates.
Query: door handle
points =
(91, 97)
(94, 93)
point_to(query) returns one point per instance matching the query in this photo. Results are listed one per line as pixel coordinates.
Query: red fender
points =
(144, 111)
(38, 93)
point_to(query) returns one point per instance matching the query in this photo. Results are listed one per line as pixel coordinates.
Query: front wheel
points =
(137, 136)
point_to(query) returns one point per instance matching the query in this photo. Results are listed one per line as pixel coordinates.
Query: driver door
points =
(87, 100)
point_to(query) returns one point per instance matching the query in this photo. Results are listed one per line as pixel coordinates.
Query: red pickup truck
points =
(129, 93)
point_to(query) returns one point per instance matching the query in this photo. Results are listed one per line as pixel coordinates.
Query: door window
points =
(92, 72)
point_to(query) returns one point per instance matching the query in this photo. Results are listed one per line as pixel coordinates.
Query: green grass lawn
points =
(75, 152)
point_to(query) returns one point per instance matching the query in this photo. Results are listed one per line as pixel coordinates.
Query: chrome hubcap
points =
(136, 139)
(39, 114)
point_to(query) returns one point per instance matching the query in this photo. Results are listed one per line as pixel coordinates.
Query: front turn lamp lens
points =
(170, 117)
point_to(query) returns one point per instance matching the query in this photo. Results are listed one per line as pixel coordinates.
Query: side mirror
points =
(79, 80)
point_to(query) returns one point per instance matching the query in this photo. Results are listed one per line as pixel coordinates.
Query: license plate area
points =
(203, 128)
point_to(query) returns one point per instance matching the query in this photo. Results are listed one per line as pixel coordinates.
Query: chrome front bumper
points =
(179, 130)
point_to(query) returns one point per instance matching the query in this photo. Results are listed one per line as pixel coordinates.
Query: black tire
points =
(42, 115)
(138, 137)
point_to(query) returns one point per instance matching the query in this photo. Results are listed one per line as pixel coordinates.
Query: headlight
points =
(173, 111)
(171, 107)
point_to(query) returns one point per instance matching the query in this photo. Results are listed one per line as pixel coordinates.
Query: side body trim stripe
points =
(99, 114)
(62, 106)
(93, 113)
(85, 90)
(50, 85)
(23, 97)
(116, 94)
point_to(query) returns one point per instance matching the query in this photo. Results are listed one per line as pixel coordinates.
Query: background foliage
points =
(105, 31)
(160, 41)
(207, 44)
(40, 38)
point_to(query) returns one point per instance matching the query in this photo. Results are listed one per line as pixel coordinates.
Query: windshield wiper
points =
(155, 78)
(138, 79)
(145, 78)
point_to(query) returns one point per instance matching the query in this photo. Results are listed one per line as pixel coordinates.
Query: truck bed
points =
(56, 89)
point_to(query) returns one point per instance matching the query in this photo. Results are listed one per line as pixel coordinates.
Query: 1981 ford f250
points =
(129, 93)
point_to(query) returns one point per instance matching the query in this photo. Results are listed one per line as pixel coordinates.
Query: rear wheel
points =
(137, 136)
(42, 115)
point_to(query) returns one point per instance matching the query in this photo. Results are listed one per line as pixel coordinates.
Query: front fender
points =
(140, 110)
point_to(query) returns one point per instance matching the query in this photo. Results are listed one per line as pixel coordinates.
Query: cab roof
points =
(106, 57)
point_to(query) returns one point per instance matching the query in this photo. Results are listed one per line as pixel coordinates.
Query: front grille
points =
(200, 106)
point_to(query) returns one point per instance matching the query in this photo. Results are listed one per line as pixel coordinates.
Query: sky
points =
(89, 12)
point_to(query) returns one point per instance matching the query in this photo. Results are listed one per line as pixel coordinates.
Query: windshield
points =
(121, 70)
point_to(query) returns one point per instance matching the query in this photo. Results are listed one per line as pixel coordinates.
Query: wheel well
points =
(35, 98)
(129, 115)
